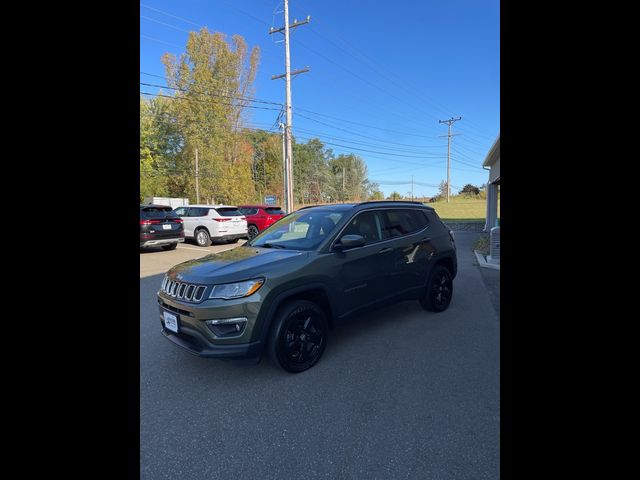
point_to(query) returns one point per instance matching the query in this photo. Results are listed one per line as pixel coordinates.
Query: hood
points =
(237, 264)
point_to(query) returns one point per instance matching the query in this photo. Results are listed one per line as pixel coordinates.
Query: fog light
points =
(228, 327)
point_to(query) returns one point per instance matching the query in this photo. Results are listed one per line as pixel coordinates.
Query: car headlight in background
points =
(228, 291)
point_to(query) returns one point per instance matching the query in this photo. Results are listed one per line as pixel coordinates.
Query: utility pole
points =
(343, 194)
(197, 180)
(285, 198)
(287, 75)
(412, 188)
(449, 122)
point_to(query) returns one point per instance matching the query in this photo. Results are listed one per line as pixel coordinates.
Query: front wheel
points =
(439, 290)
(299, 336)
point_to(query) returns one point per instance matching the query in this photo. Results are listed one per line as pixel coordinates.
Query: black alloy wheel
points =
(299, 336)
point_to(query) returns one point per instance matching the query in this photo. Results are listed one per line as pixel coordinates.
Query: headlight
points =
(228, 291)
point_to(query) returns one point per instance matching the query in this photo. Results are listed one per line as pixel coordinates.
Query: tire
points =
(439, 290)
(298, 336)
(202, 238)
(252, 231)
(171, 246)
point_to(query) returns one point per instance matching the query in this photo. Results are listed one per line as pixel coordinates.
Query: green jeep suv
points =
(282, 291)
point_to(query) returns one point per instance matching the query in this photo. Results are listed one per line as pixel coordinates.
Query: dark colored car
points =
(283, 290)
(160, 227)
(260, 217)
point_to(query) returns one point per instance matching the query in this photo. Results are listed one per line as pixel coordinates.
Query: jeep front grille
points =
(183, 291)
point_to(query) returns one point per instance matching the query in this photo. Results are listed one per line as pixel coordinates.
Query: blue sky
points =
(382, 75)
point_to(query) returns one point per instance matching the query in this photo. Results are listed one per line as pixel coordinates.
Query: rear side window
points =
(181, 211)
(228, 212)
(274, 211)
(197, 212)
(421, 218)
(403, 222)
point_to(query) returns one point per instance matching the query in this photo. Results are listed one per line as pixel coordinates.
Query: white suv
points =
(205, 223)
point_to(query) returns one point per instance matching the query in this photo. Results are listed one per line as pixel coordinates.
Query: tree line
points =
(206, 108)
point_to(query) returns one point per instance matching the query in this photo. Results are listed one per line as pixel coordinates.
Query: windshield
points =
(303, 230)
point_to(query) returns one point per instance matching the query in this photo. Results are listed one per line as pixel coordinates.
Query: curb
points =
(483, 262)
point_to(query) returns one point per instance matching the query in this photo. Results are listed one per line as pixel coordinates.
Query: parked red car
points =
(260, 217)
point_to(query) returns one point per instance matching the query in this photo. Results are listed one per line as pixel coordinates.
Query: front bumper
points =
(161, 241)
(195, 336)
(195, 343)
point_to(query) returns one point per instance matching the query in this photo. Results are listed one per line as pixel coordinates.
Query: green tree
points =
(312, 175)
(213, 81)
(442, 189)
(469, 189)
(350, 180)
(394, 196)
(374, 192)
(267, 165)
(160, 141)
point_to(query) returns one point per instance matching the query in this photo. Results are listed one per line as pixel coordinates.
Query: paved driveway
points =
(401, 393)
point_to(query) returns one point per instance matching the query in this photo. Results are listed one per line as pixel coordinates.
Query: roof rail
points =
(391, 201)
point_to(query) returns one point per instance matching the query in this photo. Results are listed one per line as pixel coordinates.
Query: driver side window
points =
(366, 224)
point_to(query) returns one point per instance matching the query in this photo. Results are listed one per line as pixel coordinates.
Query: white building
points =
(492, 163)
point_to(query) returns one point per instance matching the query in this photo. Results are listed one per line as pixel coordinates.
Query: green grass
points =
(462, 209)
(482, 245)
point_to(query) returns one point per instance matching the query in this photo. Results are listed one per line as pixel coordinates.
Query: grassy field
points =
(462, 209)
(459, 209)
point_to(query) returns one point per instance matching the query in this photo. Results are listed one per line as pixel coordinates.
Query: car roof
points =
(377, 203)
(210, 206)
(258, 206)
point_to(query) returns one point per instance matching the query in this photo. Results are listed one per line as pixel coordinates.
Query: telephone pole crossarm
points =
(295, 72)
(295, 23)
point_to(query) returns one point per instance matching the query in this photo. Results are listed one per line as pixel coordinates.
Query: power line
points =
(159, 41)
(169, 14)
(355, 123)
(403, 84)
(385, 153)
(317, 53)
(313, 51)
(247, 99)
(202, 101)
(303, 130)
(165, 24)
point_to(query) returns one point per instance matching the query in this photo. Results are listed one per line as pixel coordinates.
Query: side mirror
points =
(349, 241)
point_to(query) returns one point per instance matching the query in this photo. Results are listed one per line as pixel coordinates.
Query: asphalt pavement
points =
(400, 393)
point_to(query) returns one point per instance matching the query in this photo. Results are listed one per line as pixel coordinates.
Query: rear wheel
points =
(299, 336)
(439, 290)
(171, 246)
(202, 238)
(253, 231)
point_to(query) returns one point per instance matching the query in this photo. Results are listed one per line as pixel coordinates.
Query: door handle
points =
(385, 250)
(426, 239)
